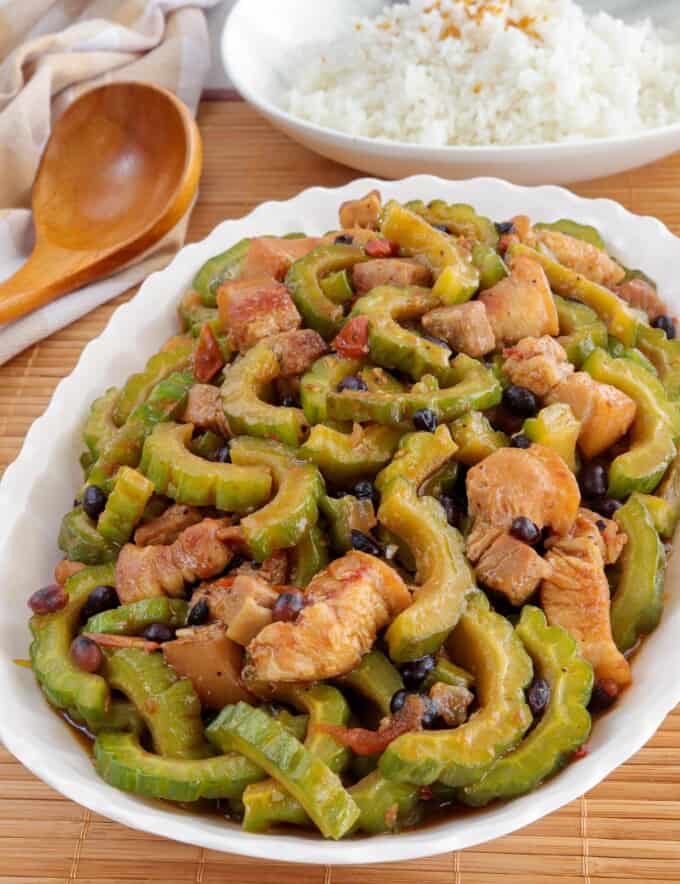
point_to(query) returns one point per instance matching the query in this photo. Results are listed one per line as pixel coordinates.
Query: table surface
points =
(627, 829)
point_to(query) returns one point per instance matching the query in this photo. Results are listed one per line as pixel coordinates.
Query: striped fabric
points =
(50, 52)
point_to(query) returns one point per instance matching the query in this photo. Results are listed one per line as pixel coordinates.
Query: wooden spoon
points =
(120, 169)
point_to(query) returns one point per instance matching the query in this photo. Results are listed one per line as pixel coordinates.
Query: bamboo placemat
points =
(627, 829)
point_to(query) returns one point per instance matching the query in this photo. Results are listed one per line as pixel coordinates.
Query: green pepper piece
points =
(81, 542)
(138, 387)
(83, 694)
(384, 805)
(180, 475)
(492, 268)
(99, 427)
(319, 790)
(581, 331)
(164, 403)
(206, 445)
(393, 346)
(344, 458)
(638, 601)
(417, 237)
(303, 280)
(125, 505)
(323, 378)
(579, 231)
(376, 679)
(664, 355)
(476, 438)
(460, 219)
(343, 515)
(168, 704)
(309, 557)
(245, 383)
(473, 387)
(337, 287)
(444, 576)
(133, 619)
(220, 269)
(621, 320)
(379, 381)
(121, 761)
(484, 642)
(617, 350)
(564, 725)
(555, 427)
(449, 673)
(654, 429)
(285, 520)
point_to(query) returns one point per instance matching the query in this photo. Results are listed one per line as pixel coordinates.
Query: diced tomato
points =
(208, 359)
(581, 752)
(381, 248)
(352, 342)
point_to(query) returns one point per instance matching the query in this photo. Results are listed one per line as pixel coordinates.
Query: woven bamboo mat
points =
(627, 829)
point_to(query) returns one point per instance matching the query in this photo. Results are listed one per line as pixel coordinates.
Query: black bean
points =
(415, 672)
(602, 697)
(593, 480)
(398, 700)
(158, 632)
(48, 599)
(520, 441)
(425, 420)
(505, 227)
(520, 400)
(365, 490)
(440, 342)
(525, 530)
(102, 598)
(506, 420)
(86, 654)
(364, 543)
(666, 324)
(538, 696)
(288, 605)
(608, 507)
(288, 402)
(430, 712)
(352, 382)
(94, 501)
(222, 455)
(199, 613)
(344, 239)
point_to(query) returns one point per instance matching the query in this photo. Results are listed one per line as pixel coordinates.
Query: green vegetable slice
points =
(133, 619)
(81, 542)
(138, 387)
(220, 269)
(125, 505)
(323, 378)
(99, 427)
(308, 557)
(344, 458)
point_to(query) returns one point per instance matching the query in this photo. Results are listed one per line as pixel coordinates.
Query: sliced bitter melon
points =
(125, 505)
(266, 742)
(485, 643)
(385, 805)
(81, 542)
(186, 478)
(84, 694)
(376, 679)
(564, 726)
(321, 379)
(133, 619)
(308, 557)
(284, 521)
(99, 427)
(344, 458)
(160, 366)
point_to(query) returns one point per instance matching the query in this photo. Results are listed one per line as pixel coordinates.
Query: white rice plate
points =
(489, 72)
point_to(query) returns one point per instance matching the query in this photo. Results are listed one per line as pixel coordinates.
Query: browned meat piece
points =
(208, 358)
(580, 256)
(538, 364)
(66, 569)
(605, 413)
(297, 351)
(212, 662)
(364, 212)
(400, 272)
(480, 539)
(167, 527)
(640, 294)
(274, 570)
(465, 327)
(143, 572)
(243, 604)
(347, 604)
(366, 742)
(521, 305)
(452, 702)
(604, 533)
(253, 309)
(577, 597)
(204, 409)
(513, 482)
(273, 255)
(511, 567)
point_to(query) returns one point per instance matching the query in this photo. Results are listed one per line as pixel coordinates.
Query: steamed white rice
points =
(468, 72)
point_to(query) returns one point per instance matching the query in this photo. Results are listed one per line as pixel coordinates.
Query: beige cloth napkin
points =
(50, 52)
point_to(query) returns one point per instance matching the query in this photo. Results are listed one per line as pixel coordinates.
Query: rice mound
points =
(482, 72)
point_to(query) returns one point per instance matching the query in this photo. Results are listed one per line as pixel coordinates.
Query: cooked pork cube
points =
(253, 309)
(400, 272)
(521, 305)
(538, 364)
(465, 327)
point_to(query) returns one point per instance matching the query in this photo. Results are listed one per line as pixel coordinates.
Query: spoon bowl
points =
(120, 169)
